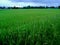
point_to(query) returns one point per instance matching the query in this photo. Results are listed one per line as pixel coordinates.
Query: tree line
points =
(29, 7)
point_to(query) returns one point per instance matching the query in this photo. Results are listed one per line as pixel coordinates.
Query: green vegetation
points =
(30, 27)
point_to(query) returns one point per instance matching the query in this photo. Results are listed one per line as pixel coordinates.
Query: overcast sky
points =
(21, 3)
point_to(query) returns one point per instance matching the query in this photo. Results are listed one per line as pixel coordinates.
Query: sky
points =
(22, 3)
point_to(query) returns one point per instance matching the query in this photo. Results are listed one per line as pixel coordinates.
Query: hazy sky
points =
(21, 3)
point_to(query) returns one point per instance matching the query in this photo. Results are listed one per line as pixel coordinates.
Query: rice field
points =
(30, 26)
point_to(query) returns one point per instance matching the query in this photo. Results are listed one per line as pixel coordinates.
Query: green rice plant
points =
(30, 27)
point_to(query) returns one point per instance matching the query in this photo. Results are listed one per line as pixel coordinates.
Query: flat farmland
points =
(30, 26)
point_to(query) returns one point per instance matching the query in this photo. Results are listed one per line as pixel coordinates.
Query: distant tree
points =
(28, 6)
(42, 7)
(58, 6)
(46, 7)
(34, 7)
(13, 7)
(2, 7)
(8, 7)
(52, 7)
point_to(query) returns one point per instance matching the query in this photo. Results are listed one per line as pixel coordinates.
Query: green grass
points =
(30, 27)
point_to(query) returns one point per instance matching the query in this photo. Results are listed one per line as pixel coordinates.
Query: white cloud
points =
(21, 4)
